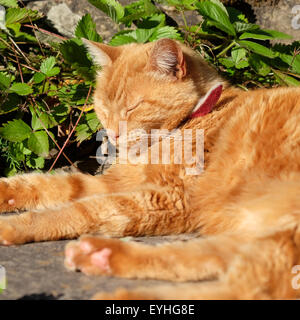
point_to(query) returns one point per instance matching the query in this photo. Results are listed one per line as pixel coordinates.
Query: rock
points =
(63, 19)
(64, 15)
(279, 17)
(270, 14)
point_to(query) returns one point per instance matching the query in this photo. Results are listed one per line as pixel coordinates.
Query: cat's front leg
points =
(146, 212)
(37, 191)
(40, 191)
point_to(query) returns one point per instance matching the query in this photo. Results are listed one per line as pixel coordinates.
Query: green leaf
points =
(83, 132)
(74, 52)
(15, 131)
(92, 121)
(165, 32)
(9, 3)
(284, 79)
(4, 81)
(242, 64)
(138, 10)
(18, 15)
(39, 77)
(61, 110)
(220, 5)
(41, 118)
(22, 89)
(216, 15)
(47, 65)
(17, 151)
(277, 34)
(89, 124)
(238, 54)
(19, 35)
(86, 28)
(242, 26)
(38, 143)
(292, 61)
(35, 162)
(227, 62)
(121, 39)
(265, 35)
(53, 72)
(142, 35)
(153, 21)
(74, 94)
(112, 8)
(258, 48)
(259, 65)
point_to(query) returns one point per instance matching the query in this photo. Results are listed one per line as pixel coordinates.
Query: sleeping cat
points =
(245, 205)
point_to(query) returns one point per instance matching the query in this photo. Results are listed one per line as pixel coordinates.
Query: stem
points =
(45, 31)
(70, 134)
(184, 19)
(233, 43)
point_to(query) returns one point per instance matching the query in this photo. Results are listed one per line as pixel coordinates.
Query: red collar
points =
(207, 103)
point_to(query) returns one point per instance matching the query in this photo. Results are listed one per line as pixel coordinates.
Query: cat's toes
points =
(8, 234)
(7, 201)
(91, 255)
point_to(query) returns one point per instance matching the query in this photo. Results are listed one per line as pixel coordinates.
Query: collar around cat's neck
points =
(208, 102)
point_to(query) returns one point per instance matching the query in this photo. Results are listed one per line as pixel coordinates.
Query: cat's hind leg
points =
(259, 269)
(194, 260)
(208, 290)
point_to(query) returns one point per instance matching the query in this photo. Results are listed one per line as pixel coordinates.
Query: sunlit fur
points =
(245, 206)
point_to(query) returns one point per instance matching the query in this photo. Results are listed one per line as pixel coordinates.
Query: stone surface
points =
(273, 14)
(35, 271)
(280, 17)
(63, 19)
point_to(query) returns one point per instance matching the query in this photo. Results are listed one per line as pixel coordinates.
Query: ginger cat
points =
(245, 205)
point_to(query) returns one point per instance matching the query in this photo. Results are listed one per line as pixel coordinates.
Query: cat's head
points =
(150, 86)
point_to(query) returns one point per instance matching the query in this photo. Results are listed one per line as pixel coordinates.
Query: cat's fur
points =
(246, 204)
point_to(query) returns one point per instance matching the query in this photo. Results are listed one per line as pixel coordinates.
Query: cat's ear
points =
(167, 58)
(102, 54)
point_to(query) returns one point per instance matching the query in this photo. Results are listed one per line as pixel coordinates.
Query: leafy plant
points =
(46, 108)
(41, 95)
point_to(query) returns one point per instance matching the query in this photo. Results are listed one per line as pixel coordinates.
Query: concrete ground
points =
(35, 271)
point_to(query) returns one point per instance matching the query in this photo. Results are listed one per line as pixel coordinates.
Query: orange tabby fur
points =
(246, 204)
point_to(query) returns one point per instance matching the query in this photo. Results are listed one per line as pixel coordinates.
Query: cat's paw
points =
(8, 233)
(94, 255)
(8, 197)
